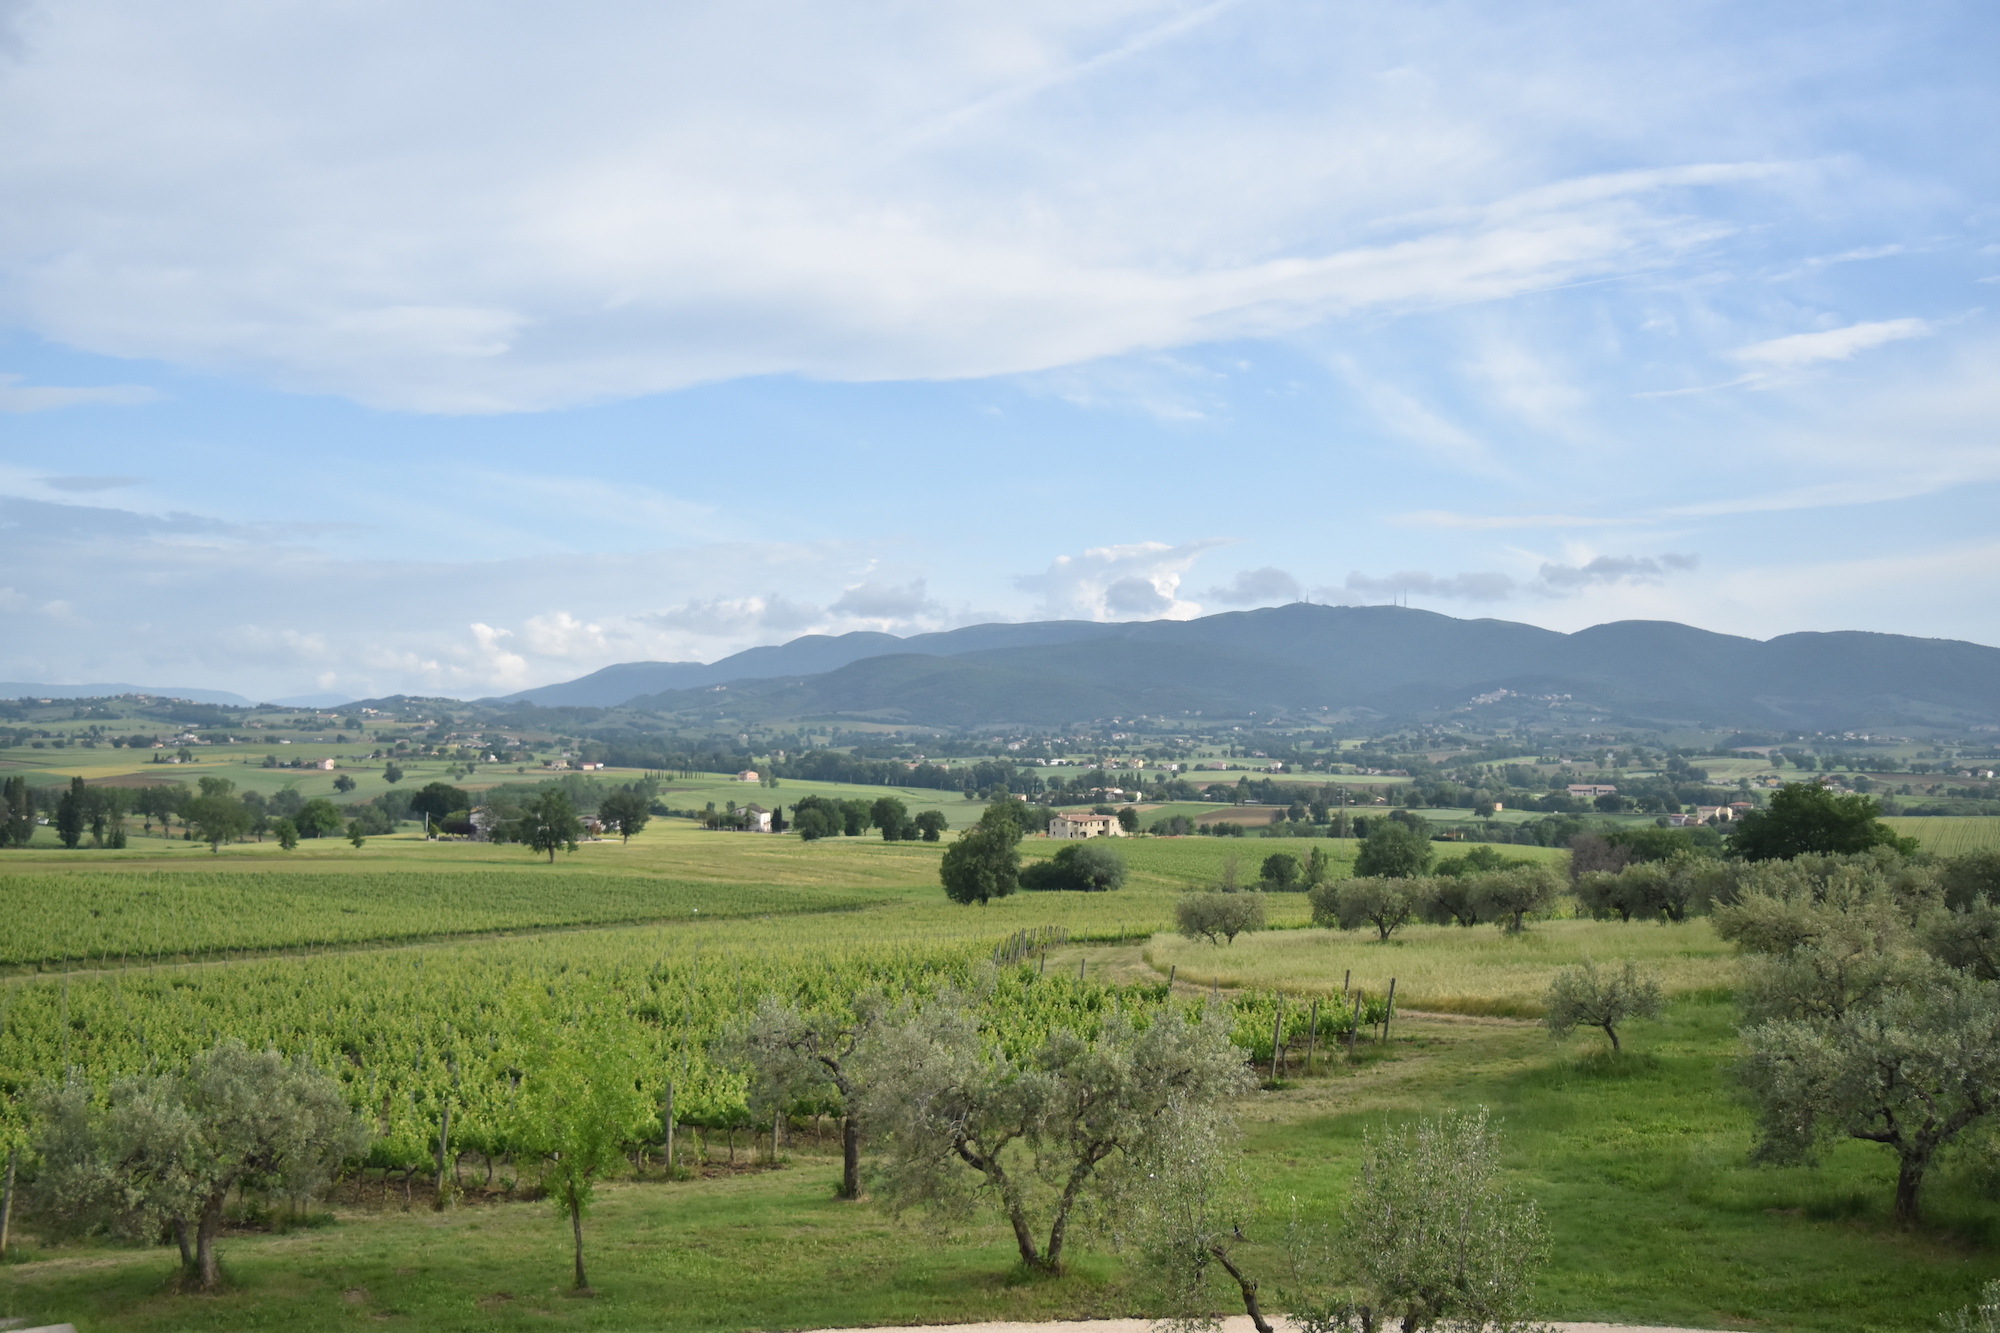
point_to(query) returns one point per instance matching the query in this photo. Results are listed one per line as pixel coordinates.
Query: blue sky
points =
(459, 348)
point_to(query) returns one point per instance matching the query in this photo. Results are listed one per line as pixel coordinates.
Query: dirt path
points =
(1234, 1324)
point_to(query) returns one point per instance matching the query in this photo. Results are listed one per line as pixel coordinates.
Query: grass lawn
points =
(1452, 969)
(1639, 1166)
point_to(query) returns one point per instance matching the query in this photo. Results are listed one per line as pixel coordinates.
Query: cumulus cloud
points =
(1608, 569)
(706, 191)
(1804, 349)
(1141, 579)
(1253, 587)
(885, 602)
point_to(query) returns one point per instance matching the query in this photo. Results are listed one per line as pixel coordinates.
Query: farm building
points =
(1085, 826)
(748, 775)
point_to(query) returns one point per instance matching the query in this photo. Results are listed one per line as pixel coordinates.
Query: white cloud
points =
(1139, 580)
(887, 603)
(1804, 349)
(16, 395)
(695, 192)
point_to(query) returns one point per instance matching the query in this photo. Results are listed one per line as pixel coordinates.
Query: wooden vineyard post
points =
(1354, 1023)
(7, 1201)
(1171, 971)
(667, 1114)
(1312, 1032)
(1390, 1011)
(1277, 1038)
(1079, 970)
(777, 1121)
(1346, 982)
(444, 1148)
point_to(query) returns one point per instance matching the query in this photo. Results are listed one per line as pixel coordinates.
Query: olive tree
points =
(1509, 897)
(1430, 1238)
(1384, 903)
(165, 1151)
(1581, 997)
(793, 1054)
(1218, 917)
(1913, 1070)
(1188, 1219)
(1052, 1136)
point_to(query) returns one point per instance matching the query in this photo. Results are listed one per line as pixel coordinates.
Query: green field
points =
(395, 955)
(1951, 835)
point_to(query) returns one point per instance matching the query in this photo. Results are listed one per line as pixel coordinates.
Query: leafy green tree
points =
(17, 813)
(72, 814)
(1393, 850)
(439, 801)
(801, 1057)
(891, 816)
(1509, 897)
(812, 822)
(983, 862)
(286, 832)
(1386, 904)
(1915, 1070)
(343, 784)
(1282, 872)
(931, 823)
(392, 774)
(318, 818)
(578, 1105)
(548, 824)
(856, 817)
(627, 811)
(1805, 817)
(1319, 868)
(1430, 1239)
(1092, 866)
(1580, 997)
(167, 1150)
(1447, 900)
(217, 819)
(1062, 1131)
(1218, 917)
(355, 834)
(1128, 818)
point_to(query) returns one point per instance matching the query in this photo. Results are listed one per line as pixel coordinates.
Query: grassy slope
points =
(1951, 835)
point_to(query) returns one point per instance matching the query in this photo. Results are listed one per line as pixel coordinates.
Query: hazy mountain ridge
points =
(1392, 661)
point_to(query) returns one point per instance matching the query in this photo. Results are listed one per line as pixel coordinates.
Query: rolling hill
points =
(1380, 660)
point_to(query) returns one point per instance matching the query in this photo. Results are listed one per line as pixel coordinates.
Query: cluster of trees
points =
(984, 862)
(1871, 1004)
(1506, 897)
(815, 817)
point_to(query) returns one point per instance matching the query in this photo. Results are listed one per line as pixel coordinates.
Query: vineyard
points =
(143, 917)
(1951, 835)
(413, 1032)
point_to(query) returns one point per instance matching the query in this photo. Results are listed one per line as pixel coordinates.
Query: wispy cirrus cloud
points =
(1805, 349)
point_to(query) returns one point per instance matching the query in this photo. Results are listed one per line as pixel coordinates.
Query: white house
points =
(1085, 826)
(1590, 791)
(756, 819)
(748, 775)
(326, 764)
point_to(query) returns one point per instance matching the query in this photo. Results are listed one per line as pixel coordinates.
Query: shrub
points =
(1580, 997)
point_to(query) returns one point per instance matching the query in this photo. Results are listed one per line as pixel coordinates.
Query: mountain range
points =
(1385, 661)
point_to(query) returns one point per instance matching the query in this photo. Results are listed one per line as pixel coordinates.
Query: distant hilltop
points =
(1361, 661)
